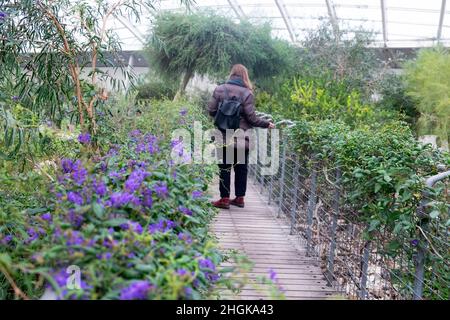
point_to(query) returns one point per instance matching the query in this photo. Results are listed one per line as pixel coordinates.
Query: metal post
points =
(419, 261)
(419, 275)
(296, 178)
(312, 199)
(364, 268)
(270, 189)
(283, 170)
(261, 181)
(336, 198)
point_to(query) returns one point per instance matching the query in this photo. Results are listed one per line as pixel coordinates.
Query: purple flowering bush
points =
(133, 222)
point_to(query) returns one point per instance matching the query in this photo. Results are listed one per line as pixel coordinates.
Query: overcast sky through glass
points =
(408, 23)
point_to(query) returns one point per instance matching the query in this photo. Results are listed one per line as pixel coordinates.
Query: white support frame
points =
(441, 20)
(287, 20)
(332, 13)
(383, 19)
(132, 29)
(237, 9)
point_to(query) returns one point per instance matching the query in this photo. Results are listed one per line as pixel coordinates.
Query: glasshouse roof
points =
(394, 23)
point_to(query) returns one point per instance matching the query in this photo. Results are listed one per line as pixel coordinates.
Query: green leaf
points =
(394, 245)
(434, 214)
(144, 267)
(99, 210)
(373, 225)
(377, 187)
(5, 260)
(115, 222)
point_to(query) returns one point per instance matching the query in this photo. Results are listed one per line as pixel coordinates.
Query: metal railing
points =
(311, 197)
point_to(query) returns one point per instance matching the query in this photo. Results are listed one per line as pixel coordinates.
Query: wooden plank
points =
(264, 239)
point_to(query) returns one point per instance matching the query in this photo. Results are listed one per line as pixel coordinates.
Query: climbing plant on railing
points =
(383, 173)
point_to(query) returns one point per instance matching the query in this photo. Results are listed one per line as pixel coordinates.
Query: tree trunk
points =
(184, 82)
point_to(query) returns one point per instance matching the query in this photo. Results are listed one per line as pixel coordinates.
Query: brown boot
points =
(223, 203)
(238, 201)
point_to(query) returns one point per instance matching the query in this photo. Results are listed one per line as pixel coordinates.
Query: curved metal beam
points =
(132, 29)
(333, 17)
(383, 19)
(441, 20)
(237, 9)
(287, 20)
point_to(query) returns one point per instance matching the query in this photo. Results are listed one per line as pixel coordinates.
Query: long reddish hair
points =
(241, 71)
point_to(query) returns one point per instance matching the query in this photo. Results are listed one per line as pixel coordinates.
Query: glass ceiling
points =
(395, 23)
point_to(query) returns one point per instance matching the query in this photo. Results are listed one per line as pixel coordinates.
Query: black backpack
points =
(228, 113)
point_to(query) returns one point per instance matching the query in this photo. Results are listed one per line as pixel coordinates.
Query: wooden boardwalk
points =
(256, 232)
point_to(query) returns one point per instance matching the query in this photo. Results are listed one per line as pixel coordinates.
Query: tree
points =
(208, 44)
(428, 83)
(44, 48)
(340, 60)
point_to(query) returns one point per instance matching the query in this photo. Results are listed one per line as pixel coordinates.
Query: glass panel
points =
(407, 20)
(411, 20)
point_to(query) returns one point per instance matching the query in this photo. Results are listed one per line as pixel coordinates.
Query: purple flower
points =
(209, 265)
(135, 133)
(119, 199)
(107, 256)
(75, 198)
(185, 237)
(74, 238)
(185, 210)
(137, 227)
(15, 98)
(206, 264)
(197, 194)
(103, 166)
(136, 291)
(7, 239)
(113, 151)
(114, 175)
(148, 200)
(161, 190)
(135, 180)
(99, 188)
(79, 173)
(162, 225)
(182, 272)
(183, 112)
(188, 291)
(3, 15)
(273, 275)
(75, 219)
(84, 138)
(47, 217)
(179, 152)
(414, 242)
(67, 165)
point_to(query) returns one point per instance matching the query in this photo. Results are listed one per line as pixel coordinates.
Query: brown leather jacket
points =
(249, 119)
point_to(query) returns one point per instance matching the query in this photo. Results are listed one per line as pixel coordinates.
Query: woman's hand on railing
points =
(288, 123)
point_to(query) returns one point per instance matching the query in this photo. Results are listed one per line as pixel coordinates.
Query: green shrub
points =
(428, 83)
(156, 89)
(129, 219)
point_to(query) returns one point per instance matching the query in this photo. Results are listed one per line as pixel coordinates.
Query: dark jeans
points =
(240, 175)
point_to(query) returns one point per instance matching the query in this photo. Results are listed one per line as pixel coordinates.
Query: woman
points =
(239, 86)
